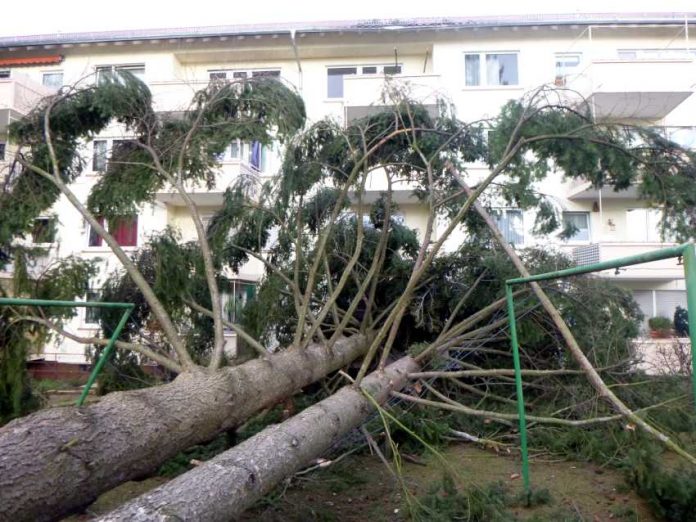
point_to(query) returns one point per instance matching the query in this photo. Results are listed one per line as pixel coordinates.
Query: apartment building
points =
(632, 68)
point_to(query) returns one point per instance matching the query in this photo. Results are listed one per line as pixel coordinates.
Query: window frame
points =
(276, 72)
(51, 229)
(228, 298)
(107, 224)
(573, 239)
(483, 74)
(90, 311)
(506, 233)
(44, 74)
(379, 70)
(114, 69)
(560, 79)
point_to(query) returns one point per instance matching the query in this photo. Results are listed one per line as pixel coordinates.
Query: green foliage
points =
(659, 323)
(671, 494)
(681, 321)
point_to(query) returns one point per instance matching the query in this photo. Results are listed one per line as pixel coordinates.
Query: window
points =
(54, 79)
(2, 151)
(124, 230)
(235, 297)
(511, 225)
(253, 154)
(43, 230)
(239, 74)
(4, 73)
(334, 76)
(92, 313)
(99, 156)
(111, 72)
(495, 68)
(580, 222)
(643, 225)
(566, 65)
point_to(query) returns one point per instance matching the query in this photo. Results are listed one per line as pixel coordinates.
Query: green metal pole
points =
(518, 386)
(690, 276)
(655, 255)
(104, 356)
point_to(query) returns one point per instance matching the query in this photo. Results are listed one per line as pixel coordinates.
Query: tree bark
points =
(59, 459)
(225, 486)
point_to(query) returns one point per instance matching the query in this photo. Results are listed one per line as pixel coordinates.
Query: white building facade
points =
(632, 68)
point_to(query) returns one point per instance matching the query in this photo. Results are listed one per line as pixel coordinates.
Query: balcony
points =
(226, 176)
(666, 269)
(17, 97)
(363, 95)
(643, 89)
(579, 190)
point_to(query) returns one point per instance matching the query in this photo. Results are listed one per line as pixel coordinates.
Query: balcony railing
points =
(363, 94)
(667, 269)
(21, 94)
(635, 88)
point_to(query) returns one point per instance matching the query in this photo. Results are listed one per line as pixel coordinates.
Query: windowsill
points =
(492, 88)
(334, 100)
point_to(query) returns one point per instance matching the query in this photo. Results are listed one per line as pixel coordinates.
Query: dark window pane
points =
(266, 74)
(92, 314)
(5, 73)
(2, 152)
(392, 69)
(43, 230)
(369, 70)
(95, 239)
(218, 75)
(239, 74)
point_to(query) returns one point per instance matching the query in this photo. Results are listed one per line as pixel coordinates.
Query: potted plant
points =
(660, 327)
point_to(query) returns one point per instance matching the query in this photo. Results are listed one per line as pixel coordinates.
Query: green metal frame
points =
(126, 307)
(686, 251)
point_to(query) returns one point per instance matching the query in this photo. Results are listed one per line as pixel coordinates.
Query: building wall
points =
(433, 63)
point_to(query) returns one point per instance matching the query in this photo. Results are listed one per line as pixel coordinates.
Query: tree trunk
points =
(223, 487)
(58, 459)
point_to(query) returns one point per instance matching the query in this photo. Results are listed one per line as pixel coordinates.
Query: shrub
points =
(659, 324)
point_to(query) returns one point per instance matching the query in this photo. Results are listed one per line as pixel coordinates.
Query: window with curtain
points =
(580, 222)
(124, 230)
(511, 224)
(490, 69)
(235, 295)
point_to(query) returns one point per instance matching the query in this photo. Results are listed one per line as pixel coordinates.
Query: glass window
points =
(110, 72)
(472, 68)
(99, 156)
(265, 74)
(4, 73)
(124, 230)
(392, 69)
(335, 80)
(92, 314)
(235, 297)
(501, 69)
(218, 75)
(370, 70)
(580, 222)
(566, 65)
(511, 225)
(643, 225)
(54, 80)
(43, 230)
(2, 151)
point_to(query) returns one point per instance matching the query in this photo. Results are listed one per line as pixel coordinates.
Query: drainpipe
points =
(297, 57)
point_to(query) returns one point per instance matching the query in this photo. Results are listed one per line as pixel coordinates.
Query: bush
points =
(681, 322)
(659, 323)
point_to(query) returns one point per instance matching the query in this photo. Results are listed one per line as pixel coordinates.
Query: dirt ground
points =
(360, 488)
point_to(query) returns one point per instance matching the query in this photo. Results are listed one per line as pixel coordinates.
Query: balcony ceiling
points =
(587, 192)
(637, 105)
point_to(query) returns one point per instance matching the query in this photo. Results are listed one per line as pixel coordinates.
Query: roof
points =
(33, 60)
(376, 25)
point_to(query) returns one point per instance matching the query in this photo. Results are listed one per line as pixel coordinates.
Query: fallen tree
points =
(340, 264)
(225, 486)
(59, 459)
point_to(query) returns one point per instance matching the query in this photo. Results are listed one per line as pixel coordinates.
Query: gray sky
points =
(51, 16)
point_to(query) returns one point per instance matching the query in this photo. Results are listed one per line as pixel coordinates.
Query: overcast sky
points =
(51, 16)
